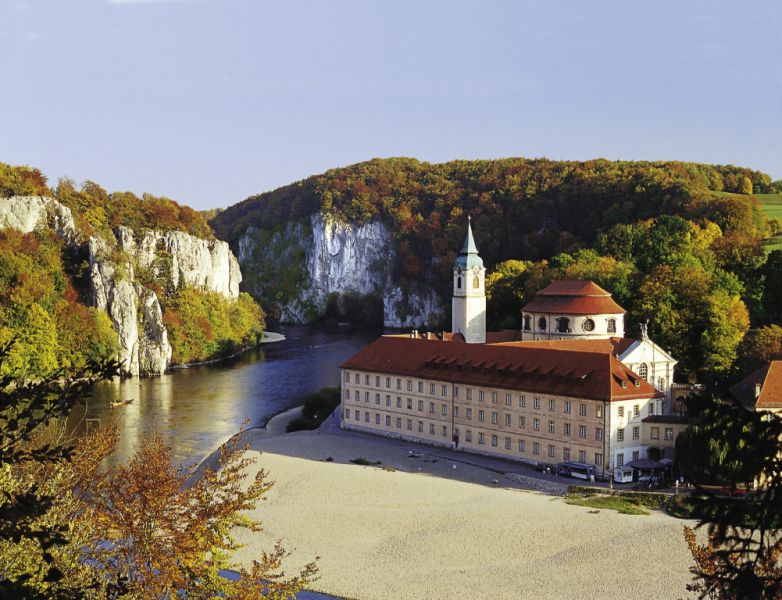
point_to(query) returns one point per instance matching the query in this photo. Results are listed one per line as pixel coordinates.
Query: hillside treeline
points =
(680, 244)
(44, 285)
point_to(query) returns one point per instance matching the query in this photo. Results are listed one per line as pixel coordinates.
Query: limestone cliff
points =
(122, 270)
(301, 265)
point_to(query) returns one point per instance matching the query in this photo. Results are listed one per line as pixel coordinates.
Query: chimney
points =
(757, 390)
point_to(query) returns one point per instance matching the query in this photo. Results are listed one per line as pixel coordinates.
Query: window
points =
(542, 323)
(522, 402)
(420, 426)
(494, 441)
(377, 398)
(469, 413)
(552, 404)
(536, 424)
(535, 448)
(522, 446)
(551, 451)
(563, 325)
(552, 428)
(388, 382)
(398, 384)
(611, 325)
(620, 436)
(431, 407)
(669, 433)
(636, 455)
(431, 389)
(399, 402)
(388, 400)
(476, 282)
(522, 422)
(388, 420)
(431, 428)
(399, 422)
(636, 433)
(420, 387)
(347, 394)
(420, 406)
(445, 431)
(598, 433)
(377, 419)
(507, 420)
(410, 424)
(469, 393)
(643, 371)
(565, 453)
(480, 416)
(567, 407)
(494, 397)
(409, 386)
(347, 377)
(456, 411)
(356, 378)
(536, 403)
(508, 399)
(599, 412)
(567, 429)
(455, 392)
(357, 395)
(480, 438)
(650, 409)
(444, 390)
(589, 325)
(366, 396)
(582, 410)
(494, 418)
(507, 443)
(582, 456)
(358, 415)
(598, 459)
(661, 383)
(366, 417)
(481, 395)
(636, 410)
(377, 380)
(459, 282)
(444, 410)
(620, 411)
(655, 433)
(347, 413)
(468, 436)
(527, 323)
(582, 431)
(620, 459)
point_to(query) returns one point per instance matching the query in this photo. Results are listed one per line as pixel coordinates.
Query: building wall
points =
(576, 326)
(626, 426)
(530, 427)
(662, 436)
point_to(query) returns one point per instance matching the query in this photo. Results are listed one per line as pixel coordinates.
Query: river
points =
(199, 408)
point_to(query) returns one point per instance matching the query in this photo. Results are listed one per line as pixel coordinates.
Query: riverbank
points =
(430, 524)
(269, 337)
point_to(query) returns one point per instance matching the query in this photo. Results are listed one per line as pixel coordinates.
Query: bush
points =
(316, 408)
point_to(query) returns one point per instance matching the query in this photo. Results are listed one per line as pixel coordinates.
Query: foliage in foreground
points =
(69, 529)
(742, 557)
(317, 407)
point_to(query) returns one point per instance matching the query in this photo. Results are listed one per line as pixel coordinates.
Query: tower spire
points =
(469, 295)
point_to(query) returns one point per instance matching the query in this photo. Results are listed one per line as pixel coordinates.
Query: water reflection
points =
(198, 409)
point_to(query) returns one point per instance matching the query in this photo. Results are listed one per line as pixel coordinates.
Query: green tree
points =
(772, 294)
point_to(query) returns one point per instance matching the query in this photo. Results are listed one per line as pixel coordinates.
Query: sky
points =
(210, 101)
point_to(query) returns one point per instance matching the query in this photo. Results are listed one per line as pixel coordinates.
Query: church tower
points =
(469, 293)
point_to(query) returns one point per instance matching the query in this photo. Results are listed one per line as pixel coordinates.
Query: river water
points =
(198, 409)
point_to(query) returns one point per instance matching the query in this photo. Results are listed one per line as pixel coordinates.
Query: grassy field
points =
(626, 506)
(772, 204)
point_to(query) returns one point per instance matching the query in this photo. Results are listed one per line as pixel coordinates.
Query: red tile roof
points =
(596, 375)
(769, 378)
(613, 345)
(569, 297)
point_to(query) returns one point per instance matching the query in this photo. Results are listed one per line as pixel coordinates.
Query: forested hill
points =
(521, 208)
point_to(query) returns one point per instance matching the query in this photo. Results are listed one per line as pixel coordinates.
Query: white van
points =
(623, 475)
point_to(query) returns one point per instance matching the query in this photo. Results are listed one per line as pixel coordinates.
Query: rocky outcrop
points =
(301, 265)
(172, 258)
(26, 213)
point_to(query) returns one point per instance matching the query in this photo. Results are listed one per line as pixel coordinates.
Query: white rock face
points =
(25, 213)
(340, 257)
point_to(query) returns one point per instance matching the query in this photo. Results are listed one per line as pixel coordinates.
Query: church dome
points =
(569, 297)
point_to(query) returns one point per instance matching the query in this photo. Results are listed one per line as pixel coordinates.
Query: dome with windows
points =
(572, 310)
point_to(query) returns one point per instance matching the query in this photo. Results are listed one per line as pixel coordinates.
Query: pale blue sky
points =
(211, 101)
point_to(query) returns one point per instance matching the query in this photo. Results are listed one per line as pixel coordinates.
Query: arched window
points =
(476, 282)
(563, 325)
(459, 282)
(611, 325)
(542, 323)
(527, 323)
(643, 371)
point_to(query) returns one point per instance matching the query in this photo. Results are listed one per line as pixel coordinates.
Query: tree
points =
(761, 346)
(772, 294)
(736, 446)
